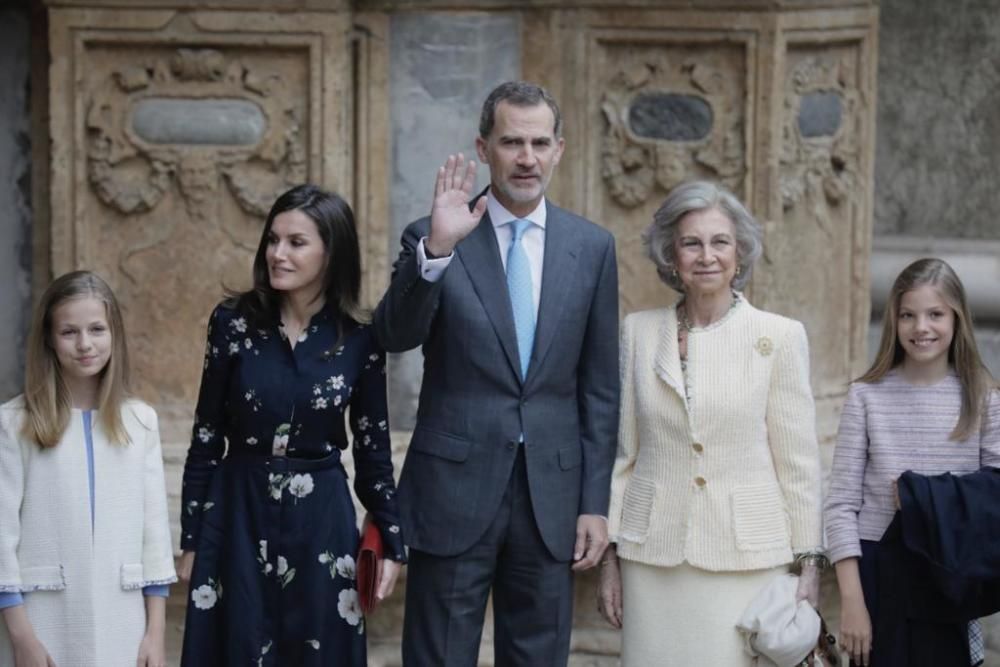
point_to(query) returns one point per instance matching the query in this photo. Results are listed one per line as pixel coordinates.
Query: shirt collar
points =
(501, 216)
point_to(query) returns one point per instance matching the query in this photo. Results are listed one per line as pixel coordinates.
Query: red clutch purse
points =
(369, 556)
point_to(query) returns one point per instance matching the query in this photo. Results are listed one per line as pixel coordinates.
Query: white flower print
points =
(313, 643)
(319, 403)
(234, 348)
(206, 595)
(285, 573)
(337, 399)
(265, 567)
(346, 567)
(303, 336)
(301, 486)
(251, 440)
(325, 558)
(382, 425)
(363, 423)
(240, 324)
(317, 390)
(191, 506)
(373, 357)
(348, 606)
(264, 650)
(367, 440)
(277, 484)
(205, 434)
(393, 529)
(280, 444)
(336, 382)
(248, 343)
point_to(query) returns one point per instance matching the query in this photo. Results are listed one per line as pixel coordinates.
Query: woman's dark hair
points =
(342, 279)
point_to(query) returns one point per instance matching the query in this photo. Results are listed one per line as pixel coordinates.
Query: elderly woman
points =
(716, 488)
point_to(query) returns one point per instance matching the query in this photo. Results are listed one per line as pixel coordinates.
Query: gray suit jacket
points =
(474, 404)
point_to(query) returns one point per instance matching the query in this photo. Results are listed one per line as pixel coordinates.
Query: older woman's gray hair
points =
(660, 237)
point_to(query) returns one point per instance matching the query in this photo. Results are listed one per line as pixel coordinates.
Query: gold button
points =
(700, 481)
(698, 447)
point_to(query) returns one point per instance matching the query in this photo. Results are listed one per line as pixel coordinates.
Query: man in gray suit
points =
(506, 482)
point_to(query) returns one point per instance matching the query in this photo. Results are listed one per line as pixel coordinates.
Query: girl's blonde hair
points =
(963, 354)
(46, 396)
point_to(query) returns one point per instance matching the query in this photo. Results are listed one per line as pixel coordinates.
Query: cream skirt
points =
(685, 617)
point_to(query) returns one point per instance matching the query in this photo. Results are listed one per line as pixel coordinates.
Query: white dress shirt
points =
(533, 241)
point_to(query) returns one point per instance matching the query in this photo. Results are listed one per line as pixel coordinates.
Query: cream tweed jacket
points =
(726, 477)
(83, 585)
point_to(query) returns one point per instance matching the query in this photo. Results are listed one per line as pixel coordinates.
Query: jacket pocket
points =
(759, 518)
(132, 576)
(440, 444)
(570, 457)
(637, 505)
(42, 578)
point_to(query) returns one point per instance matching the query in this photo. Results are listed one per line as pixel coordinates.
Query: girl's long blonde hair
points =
(963, 355)
(46, 396)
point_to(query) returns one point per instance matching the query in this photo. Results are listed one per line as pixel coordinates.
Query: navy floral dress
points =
(266, 506)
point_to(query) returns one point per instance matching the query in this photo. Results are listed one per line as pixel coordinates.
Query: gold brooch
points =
(764, 346)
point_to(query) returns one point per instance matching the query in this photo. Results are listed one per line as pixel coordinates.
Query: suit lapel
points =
(558, 268)
(668, 358)
(481, 258)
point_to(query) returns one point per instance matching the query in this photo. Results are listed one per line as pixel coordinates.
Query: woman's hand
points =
(808, 585)
(151, 648)
(185, 566)
(609, 589)
(151, 651)
(388, 572)
(29, 652)
(855, 629)
(28, 649)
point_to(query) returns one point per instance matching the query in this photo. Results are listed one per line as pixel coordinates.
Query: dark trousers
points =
(532, 594)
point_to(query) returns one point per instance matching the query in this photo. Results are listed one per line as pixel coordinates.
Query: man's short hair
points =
(519, 94)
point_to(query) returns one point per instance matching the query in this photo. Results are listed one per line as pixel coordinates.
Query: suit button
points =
(698, 447)
(700, 481)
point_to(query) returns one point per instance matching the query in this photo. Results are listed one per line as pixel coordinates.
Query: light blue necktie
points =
(522, 299)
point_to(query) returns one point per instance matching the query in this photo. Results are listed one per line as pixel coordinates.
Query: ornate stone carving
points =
(131, 170)
(820, 152)
(696, 129)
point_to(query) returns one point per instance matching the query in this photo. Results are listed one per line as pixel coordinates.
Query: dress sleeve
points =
(844, 499)
(373, 480)
(11, 495)
(791, 434)
(208, 443)
(989, 448)
(157, 556)
(628, 433)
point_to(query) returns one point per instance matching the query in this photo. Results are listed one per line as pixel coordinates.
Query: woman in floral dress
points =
(267, 519)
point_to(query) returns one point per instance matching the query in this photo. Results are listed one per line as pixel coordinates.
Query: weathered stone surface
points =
(199, 122)
(15, 197)
(938, 130)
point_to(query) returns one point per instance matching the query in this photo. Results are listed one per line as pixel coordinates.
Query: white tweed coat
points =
(83, 589)
(729, 480)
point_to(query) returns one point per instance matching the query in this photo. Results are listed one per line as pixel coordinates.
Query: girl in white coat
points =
(85, 556)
